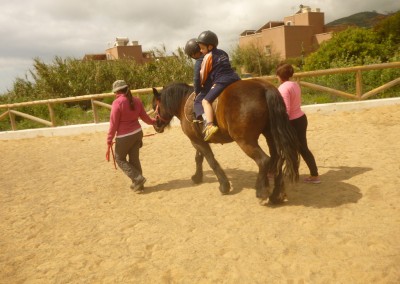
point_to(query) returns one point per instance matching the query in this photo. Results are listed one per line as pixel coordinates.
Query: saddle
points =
(189, 111)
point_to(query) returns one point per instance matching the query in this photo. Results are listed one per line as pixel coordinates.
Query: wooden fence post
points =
(12, 120)
(52, 115)
(358, 84)
(94, 109)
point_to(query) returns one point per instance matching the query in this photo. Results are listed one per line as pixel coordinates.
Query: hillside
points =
(362, 19)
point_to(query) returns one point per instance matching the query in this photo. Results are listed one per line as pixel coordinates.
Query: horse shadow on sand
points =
(333, 191)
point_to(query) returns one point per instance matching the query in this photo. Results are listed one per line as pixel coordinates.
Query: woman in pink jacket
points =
(125, 127)
(291, 94)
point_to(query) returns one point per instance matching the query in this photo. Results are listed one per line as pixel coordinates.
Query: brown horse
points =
(243, 111)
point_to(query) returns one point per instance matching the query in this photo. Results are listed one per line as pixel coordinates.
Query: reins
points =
(151, 134)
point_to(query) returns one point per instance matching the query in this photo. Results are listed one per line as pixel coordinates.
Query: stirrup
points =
(195, 120)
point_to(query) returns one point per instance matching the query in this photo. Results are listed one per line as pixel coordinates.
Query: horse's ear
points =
(156, 93)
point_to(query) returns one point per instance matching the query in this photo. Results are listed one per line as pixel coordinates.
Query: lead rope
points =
(110, 148)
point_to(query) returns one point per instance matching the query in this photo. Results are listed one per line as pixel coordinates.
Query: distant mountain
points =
(363, 19)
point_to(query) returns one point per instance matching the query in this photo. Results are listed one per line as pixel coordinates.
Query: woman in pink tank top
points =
(291, 94)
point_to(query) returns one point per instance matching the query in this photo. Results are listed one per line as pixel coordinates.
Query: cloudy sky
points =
(73, 28)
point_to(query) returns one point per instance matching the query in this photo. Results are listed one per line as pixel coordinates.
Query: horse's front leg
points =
(198, 176)
(205, 151)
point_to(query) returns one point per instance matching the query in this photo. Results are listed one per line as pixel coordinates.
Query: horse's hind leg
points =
(198, 176)
(275, 167)
(278, 194)
(255, 152)
(205, 151)
(273, 161)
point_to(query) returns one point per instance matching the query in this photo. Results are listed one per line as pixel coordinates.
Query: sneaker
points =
(312, 179)
(138, 185)
(209, 131)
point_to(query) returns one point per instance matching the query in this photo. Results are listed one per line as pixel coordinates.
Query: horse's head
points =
(162, 118)
(169, 103)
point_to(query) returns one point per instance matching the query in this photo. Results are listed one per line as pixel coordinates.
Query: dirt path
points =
(68, 217)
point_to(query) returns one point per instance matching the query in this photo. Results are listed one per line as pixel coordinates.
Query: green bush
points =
(71, 77)
(356, 46)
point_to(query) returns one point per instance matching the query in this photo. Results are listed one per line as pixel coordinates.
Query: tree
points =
(357, 46)
(389, 28)
(65, 77)
(252, 60)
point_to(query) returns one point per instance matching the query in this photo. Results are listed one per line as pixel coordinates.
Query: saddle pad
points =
(188, 109)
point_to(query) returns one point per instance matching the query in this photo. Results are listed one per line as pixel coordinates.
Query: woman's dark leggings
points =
(129, 146)
(300, 125)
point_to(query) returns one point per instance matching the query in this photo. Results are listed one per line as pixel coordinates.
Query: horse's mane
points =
(172, 96)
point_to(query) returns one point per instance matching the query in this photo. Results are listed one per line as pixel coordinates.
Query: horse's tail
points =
(283, 135)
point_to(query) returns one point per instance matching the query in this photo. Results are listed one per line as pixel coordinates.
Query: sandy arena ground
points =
(67, 216)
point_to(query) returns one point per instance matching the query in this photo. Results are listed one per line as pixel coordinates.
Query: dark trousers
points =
(215, 91)
(129, 146)
(197, 106)
(300, 125)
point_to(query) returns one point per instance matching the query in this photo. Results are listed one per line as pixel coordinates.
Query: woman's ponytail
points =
(128, 94)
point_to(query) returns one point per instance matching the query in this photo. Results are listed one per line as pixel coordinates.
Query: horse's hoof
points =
(262, 194)
(224, 189)
(278, 200)
(197, 179)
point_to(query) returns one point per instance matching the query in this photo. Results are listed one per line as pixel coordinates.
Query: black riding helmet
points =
(192, 47)
(208, 38)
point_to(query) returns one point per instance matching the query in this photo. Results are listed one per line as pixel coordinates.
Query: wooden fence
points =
(358, 73)
(95, 99)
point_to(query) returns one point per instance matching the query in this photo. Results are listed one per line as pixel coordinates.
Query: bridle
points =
(159, 117)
